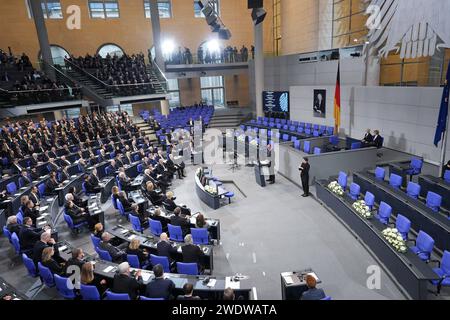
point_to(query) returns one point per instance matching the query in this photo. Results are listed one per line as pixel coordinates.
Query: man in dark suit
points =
(304, 175)
(377, 139)
(29, 235)
(124, 282)
(159, 287)
(312, 293)
(34, 195)
(165, 248)
(191, 252)
(368, 138)
(188, 290)
(45, 241)
(177, 220)
(25, 179)
(116, 254)
(75, 260)
(52, 184)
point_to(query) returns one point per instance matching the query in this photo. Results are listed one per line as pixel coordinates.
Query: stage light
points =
(168, 47)
(213, 46)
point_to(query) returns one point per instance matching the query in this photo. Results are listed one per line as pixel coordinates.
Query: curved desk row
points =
(422, 218)
(436, 185)
(213, 201)
(408, 270)
(149, 242)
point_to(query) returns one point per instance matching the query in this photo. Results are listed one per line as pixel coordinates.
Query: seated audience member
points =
(159, 287)
(143, 218)
(75, 260)
(77, 214)
(31, 211)
(98, 230)
(178, 220)
(191, 252)
(88, 278)
(368, 138)
(29, 235)
(446, 168)
(172, 167)
(25, 179)
(134, 249)
(157, 216)
(116, 254)
(13, 226)
(45, 241)
(124, 282)
(170, 204)
(92, 183)
(34, 195)
(312, 293)
(52, 184)
(200, 221)
(155, 198)
(115, 193)
(188, 290)
(23, 203)
(77, 199)
(125, 182)
(165, 248)
(127, 204)
(228, 294)
(377, 139)
(48, 261)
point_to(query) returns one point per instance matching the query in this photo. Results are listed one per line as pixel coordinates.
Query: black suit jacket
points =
(34, 197)
(29, 236)
(191, 253)
(165, 249)
(160, 288)
(378, 141)
(368, 137)
(182, 222)
(126, 284)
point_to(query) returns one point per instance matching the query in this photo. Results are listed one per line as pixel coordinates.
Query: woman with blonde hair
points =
(133, 249)
(98, 230)
(49, 262)
(88, 278)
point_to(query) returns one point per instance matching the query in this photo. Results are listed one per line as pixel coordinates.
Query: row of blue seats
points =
(424, 243)
(301, 129)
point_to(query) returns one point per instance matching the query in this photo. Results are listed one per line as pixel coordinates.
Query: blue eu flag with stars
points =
(443, 113)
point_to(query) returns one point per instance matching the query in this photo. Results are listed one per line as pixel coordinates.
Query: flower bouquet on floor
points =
(362, 209)
(211, 190)
(395, 239)
(336, 188)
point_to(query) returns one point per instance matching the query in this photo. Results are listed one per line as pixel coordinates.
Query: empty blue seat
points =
(95, 241)
(164, 261)
(447, 176)
(307, 146)
(134, 262)
(140, 168)
(308, 131)
(380, 173)
(356, 145)
(355, 190)
(415, 167)
(317, 150)
(187, 268)
(395, 181)
(413, 190)
(403, 225)
(369, 199)
(327, 298)
(200, 235)
(316, 133)
(334, 140)
(443, 271)
(155, 227)
(46, 275)
(294, 138)
(384, 213)
(424, 246)
(285, 137)
(104, 255)
(297, 144)
(136, 223)
(41, 189)
(342, 180)
(89, 292)
(175, 233)
(121, 209)
(11, 188)
(117, 296)
(62, 286)
(7, 233)
(300, 129)
(29, 264)
(229, 195)
(72, 226)
(434, 201)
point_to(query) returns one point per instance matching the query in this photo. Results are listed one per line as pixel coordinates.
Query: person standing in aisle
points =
(304, 175)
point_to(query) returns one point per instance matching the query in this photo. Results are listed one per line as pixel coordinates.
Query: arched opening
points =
(58, 54)
(111, 49)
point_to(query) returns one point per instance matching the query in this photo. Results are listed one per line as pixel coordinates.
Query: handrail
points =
(84, 71)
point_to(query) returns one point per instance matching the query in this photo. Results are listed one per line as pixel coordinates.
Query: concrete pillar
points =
(373, 63)
(41, 30)
(156, 31)
(165, 109)
(259, 68)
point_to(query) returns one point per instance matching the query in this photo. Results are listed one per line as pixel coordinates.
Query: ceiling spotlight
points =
(213, 46)
(168, 47)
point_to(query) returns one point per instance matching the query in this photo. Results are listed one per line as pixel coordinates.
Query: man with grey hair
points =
(165, 248)
(191, 252)
(125, 282)
(45, 242)
(116, 253)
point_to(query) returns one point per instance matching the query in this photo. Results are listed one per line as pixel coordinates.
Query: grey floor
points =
(265, 231)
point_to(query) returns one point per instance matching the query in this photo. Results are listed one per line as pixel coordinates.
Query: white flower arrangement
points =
(241, 138)
(254, 143)
(211, 190)
(362, 209)
(395, 239)
(230, 134)
(336, 188)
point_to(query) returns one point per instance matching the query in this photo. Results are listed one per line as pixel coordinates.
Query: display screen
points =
(276, 101)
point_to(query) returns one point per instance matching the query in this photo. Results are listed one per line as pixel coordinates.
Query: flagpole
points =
(444, 145)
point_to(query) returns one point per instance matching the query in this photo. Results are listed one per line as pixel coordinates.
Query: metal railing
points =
(116, 89)
(216, 59)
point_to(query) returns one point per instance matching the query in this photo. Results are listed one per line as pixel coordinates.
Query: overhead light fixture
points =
(213, 20)
(168, 47)
(213, 46)
(258, 15)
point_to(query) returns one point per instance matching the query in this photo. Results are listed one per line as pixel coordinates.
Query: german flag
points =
(337, 102)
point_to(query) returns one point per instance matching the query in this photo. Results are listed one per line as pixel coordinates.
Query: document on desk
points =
(146, 276)
(108, 269)
(232, 284)
(212, 283)
(123, 231)
(62, 248)
(43, 208)
(288, 279)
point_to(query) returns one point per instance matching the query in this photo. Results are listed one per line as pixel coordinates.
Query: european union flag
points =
(443, 113)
